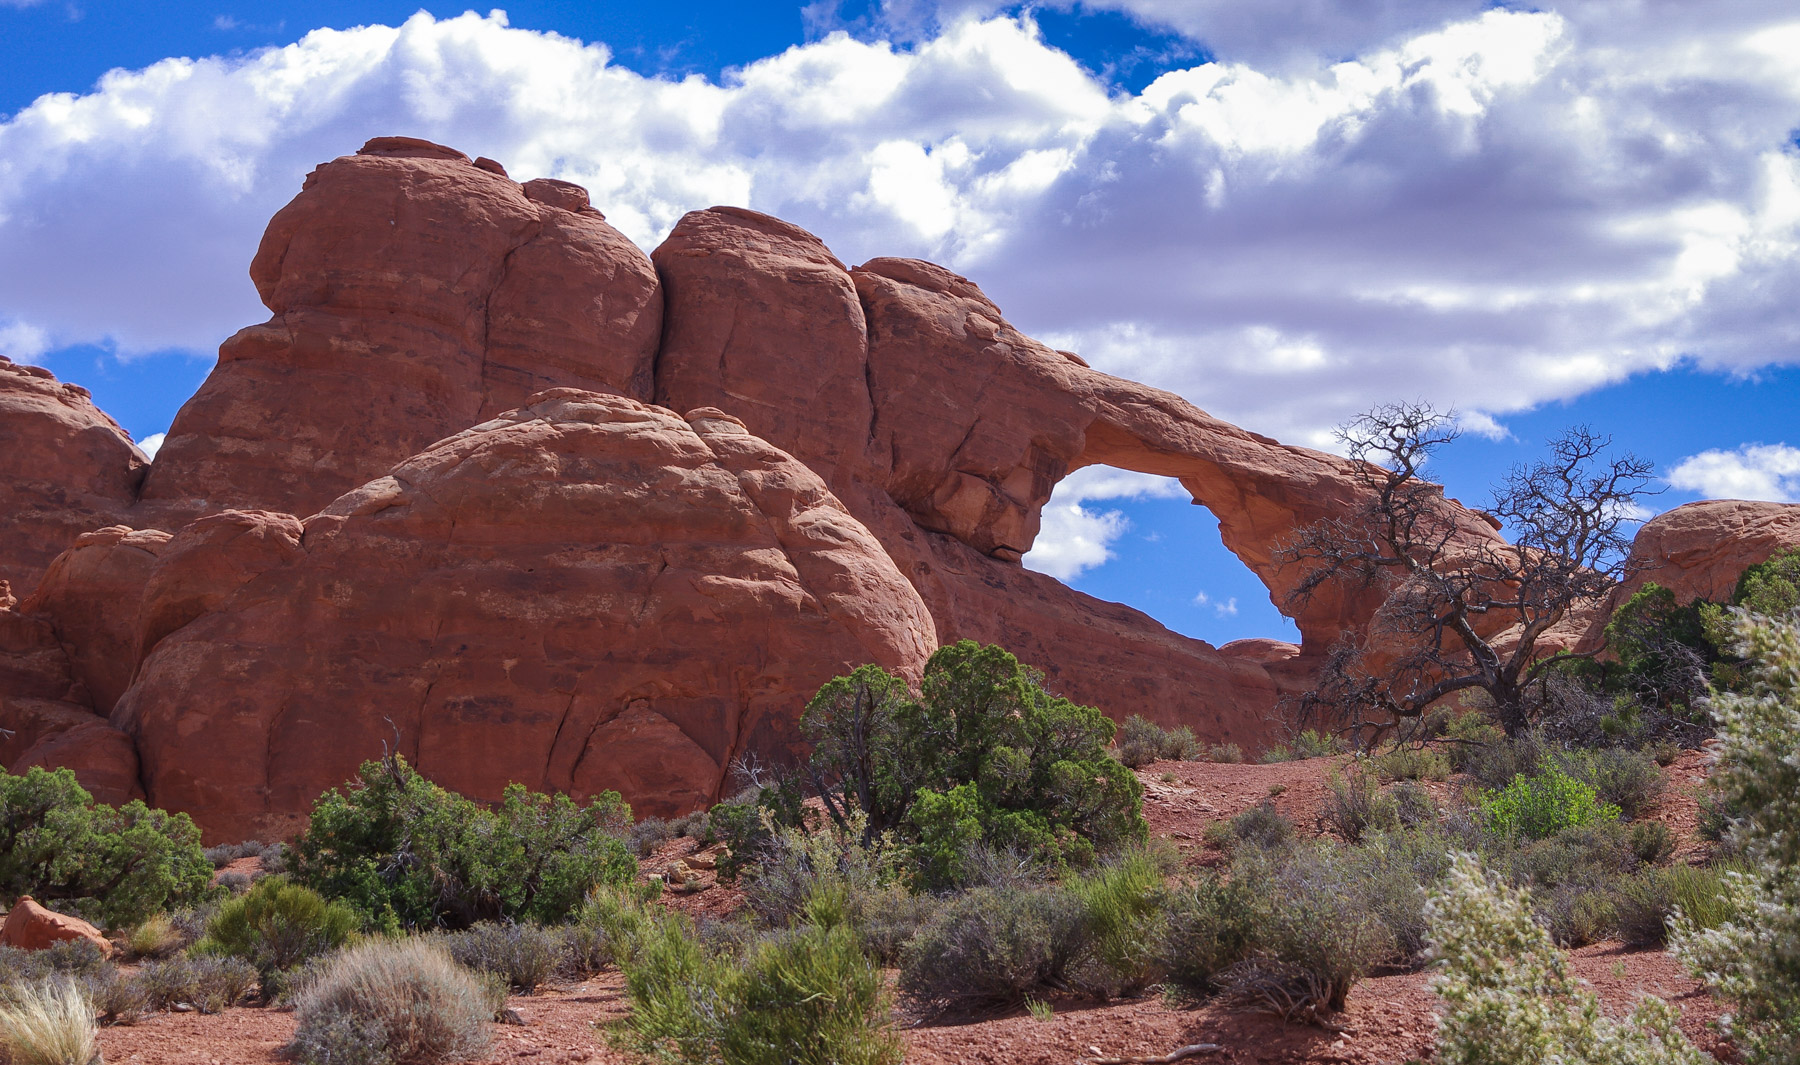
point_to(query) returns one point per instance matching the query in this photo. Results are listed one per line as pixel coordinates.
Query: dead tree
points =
(1461, 611)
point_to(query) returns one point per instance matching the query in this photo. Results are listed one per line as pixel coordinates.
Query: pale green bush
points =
(1753, 961)
(1509, 995)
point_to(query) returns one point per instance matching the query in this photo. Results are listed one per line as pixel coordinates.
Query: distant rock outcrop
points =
(1698, 550)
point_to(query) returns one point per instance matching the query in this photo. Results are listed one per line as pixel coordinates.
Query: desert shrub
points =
(1629, 780)
(1509, 996)
(1651, 842)
(1280, 752)
(1749, 960)
(825, 877)
(74, 957)
(277, 925)
(1645, 902)
(983, 754)
(1229, 753)
(807, 996)
(1356, 805)
(747, 824)
(1573, 877)
(406, 853)
(1262, 826)
(154, 937)
(1124, 903)
(1495, 765)
(1388, 875)
(1311, 743)
(522, 954)
(117, 999)
(648, 834)
(994, 948)
(1413, 805)
(1316, 939)
(271, 854)
(210, 984)
(1470, 734)
(1410, 762)
(811, 998)
(114, 866)
(1141, 742)
(1540, 805)
(1208, 926)
(393, 1002)
(51, 1023)
(235, 883)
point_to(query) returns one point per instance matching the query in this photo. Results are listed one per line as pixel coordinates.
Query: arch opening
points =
(1142, 540)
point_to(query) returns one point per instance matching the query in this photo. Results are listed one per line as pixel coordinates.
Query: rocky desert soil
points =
(1390, 1017)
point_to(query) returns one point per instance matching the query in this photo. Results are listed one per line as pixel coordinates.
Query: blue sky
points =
(1284, 210)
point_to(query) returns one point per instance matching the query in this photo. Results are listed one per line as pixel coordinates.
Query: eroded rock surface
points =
(1698, 550)
(414, 294)
(65, 469)
(586, 593)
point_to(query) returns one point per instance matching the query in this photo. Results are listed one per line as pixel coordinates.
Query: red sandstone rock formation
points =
(589, 592)
(583, 594)
(30, 926)
(1698, 550)
(66, 468)
(414, 294)
(48, 715)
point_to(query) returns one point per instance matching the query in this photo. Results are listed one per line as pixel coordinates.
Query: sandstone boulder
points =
(1698, 550)
(91, 595)
(30, 926)
(582, 594)
(48, 715)
(67, 468)
(414, 294)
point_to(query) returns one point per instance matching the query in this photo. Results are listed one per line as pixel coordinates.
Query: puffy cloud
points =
(1227, 609)
(1486, 209)
(153, 443)
(1754, 471)
(21, 341)
(1076, 538)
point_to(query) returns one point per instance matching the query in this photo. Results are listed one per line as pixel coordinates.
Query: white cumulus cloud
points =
(21, 341)
(1754, 471)
(151, 444)
(1075, 538)
(1483, 207)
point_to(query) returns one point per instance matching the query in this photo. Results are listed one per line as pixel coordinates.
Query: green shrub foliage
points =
(984, 755)
(113, 866)
(409, 854)
(807, 996)
(1542, 805)
(277, 925)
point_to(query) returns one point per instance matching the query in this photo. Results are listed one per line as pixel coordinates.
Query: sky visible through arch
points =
(1285, 210)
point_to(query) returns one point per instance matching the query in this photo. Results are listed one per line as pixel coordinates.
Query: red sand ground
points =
(1390, 1018)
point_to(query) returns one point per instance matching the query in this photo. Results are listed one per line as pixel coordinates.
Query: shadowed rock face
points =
(65, 468)
(585, 591)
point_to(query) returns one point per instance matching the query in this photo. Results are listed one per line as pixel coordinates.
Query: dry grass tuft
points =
(50, 1023)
